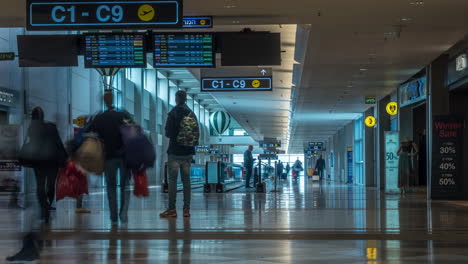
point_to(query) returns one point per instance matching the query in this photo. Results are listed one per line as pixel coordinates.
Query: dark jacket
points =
(174, 119)
(248, 159)
(320, 164)
(279, 169)
(43, 131)
(107, 126)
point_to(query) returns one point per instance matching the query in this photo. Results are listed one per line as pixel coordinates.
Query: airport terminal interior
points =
(233, 131)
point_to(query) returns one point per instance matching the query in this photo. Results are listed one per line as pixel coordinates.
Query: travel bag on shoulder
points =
(90, 155)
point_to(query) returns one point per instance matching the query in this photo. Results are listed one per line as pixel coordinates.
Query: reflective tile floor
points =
(304, 223)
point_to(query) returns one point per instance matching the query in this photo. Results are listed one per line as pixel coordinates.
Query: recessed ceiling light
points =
(230, 4)
(405, 19)
(417, 2)
(363, 69)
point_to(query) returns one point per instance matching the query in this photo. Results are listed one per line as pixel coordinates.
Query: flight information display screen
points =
(184, 50)
(115, 50)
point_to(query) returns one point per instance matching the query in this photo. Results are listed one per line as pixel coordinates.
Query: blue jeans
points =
(175, 164)
(110, 171)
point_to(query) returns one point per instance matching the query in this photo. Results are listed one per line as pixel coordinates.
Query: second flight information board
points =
(115, 50)
(184, 50)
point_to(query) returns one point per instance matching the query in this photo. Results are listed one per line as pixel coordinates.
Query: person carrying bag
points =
(43, 151)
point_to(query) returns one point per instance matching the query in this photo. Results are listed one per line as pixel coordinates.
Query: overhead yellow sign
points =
(256, 83)
(146, 13)
(392, 108)
(80, 121)
(370, 121)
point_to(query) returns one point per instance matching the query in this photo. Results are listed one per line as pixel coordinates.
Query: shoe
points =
(29, 252)
(82, 211)
(124, 218)
(168, 214)
(186, 212)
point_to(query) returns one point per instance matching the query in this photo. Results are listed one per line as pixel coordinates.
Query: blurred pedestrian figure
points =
(107, 126)
(43, 151)
(320, 166)
(408, 149)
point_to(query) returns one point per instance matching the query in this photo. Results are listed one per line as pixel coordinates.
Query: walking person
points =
(288, 168)
(45, 141)
(279, 170)
(107, 126)
(183, 133)
(43, 151)
(406, 152)
(320, 166)
(248, 164)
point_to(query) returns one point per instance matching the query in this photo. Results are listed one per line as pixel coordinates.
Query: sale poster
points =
(391, 161)
(447, 157)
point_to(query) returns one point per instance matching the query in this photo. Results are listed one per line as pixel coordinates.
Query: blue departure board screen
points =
(184, 50)
(124, 50)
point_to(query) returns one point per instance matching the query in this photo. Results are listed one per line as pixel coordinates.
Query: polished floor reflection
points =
(303, 223)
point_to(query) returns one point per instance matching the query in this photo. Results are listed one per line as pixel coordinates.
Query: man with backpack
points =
(107, 126)
(183, 133)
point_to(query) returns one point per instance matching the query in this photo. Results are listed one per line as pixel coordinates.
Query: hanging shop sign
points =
(316, 145)
(7, 56)
(269, 144)
(370, 100)
(391, 161)
(111, 14)
(447, 157)
(413, 91)
(198, 22)
(220, 121)
(457, 70)
(370, 121)
(392, 108)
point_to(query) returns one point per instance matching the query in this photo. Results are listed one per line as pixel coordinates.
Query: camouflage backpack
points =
(188, 131)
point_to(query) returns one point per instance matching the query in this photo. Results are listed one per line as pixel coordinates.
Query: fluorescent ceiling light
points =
(326, 116)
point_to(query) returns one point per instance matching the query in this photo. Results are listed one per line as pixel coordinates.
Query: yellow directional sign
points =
(203, 22)
(370, 121)
(255, 83)
(392, 108)
(146, 12)
(80, 121)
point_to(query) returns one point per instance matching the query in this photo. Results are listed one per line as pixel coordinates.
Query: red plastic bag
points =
(141, 184)
(71, 182)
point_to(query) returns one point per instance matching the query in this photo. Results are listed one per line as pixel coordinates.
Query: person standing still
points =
(183, 133)
(107, 126)
(320, 166)
(248, 164)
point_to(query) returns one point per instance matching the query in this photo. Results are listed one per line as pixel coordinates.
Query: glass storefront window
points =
(359, 150)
